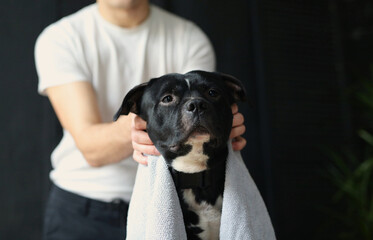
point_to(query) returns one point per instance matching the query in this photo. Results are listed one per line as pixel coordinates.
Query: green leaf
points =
(366, 136)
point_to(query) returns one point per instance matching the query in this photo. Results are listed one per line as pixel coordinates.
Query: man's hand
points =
(238, 129)
(142, 144)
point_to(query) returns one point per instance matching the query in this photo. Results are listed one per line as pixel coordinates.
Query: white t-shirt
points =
(85, 47)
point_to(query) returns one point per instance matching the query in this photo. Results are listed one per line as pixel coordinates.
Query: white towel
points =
(155, 212)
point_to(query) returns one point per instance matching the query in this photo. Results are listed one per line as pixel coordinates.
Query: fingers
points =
(138, 123)
(238, 127)
(237, 131)
(145, 149)
(140, 149)
(238, 143)
(138, 157)
(141, 142)
(140, 137)
(238, 119)
(234, 108)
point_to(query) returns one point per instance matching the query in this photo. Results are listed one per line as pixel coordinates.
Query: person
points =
(86, 63)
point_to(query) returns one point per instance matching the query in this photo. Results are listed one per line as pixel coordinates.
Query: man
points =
(86, 63)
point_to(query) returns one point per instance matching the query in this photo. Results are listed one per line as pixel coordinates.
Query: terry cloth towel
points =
(155, 213)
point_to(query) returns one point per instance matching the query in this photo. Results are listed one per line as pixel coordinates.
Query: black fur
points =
(175, 106)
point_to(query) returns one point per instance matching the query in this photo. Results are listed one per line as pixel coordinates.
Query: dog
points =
(189, 119)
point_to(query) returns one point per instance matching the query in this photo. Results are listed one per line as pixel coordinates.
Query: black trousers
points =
(69, 216)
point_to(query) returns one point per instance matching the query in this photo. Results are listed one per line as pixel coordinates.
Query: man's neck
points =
(124, 16)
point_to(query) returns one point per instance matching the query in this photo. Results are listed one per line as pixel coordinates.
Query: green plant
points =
(354, 196)
(352, 174)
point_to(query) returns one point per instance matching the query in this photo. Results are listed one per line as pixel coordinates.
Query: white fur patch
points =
(195, 160)
(188, 83)
(209, 215)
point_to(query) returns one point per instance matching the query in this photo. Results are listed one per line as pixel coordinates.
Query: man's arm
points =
(101, 143)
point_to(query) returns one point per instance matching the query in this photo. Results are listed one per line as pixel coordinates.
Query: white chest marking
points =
(195, 160)
(209, 215)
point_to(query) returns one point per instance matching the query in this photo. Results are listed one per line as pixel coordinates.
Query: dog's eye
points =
(167, 99)
(213, 93)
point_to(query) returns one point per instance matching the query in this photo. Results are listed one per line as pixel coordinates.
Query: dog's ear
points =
(235, 86)
(131, 102)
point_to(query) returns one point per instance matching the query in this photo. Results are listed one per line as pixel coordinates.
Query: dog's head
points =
(185, 110)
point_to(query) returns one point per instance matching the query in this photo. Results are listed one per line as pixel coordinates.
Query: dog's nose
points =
(196, 105)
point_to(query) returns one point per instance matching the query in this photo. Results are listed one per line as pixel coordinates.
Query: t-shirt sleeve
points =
(58, 58)
(200, 53)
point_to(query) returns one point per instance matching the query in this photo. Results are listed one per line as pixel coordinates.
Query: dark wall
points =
(22, 174)
(303, 84)
(29, 129)
(289, 55)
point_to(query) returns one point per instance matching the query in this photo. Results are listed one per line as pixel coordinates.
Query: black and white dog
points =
(189, 119)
